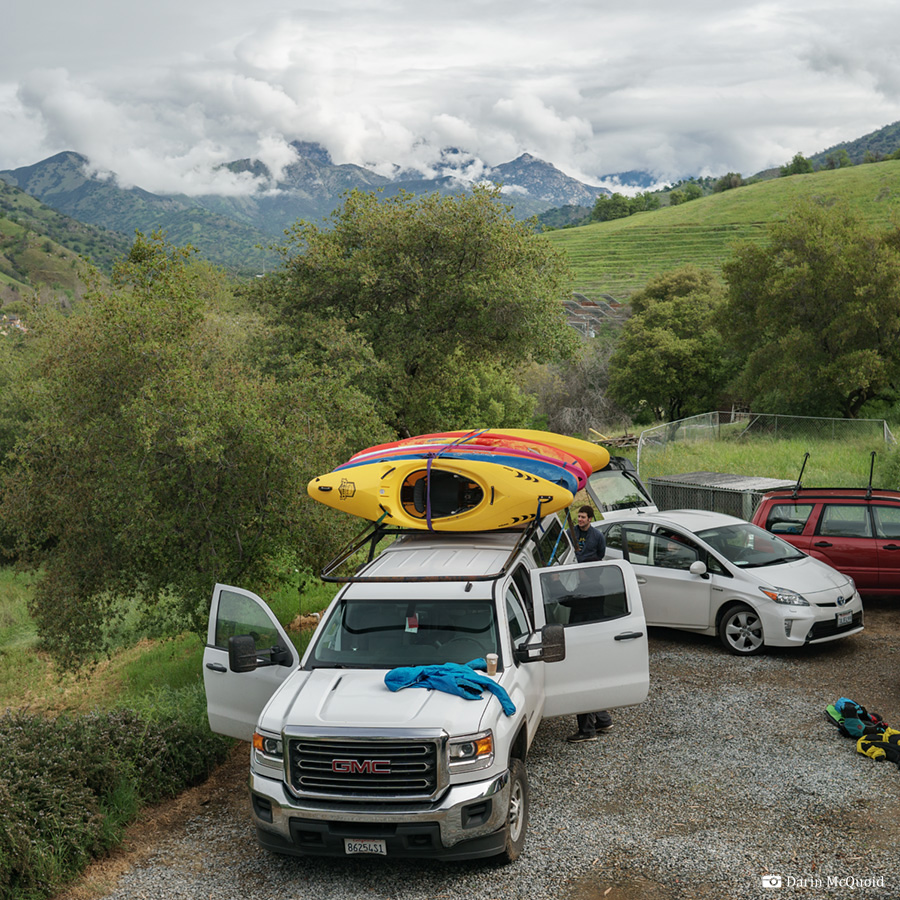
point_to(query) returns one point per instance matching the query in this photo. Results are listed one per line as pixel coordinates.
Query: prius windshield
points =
(376, 634)
(748, 546)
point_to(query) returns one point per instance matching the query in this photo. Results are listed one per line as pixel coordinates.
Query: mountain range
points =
(56, 199)
(236, 231)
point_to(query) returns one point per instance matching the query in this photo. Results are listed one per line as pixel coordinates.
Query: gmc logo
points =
(361, 766)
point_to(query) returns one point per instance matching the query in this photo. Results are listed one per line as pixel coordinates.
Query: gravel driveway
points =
(726, 774)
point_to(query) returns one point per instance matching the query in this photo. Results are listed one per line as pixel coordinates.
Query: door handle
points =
(891, 547)
(216, 667)
(641, 579)
(628, 636)
(821, 544)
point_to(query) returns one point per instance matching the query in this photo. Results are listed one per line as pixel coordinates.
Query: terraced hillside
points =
(619, 257)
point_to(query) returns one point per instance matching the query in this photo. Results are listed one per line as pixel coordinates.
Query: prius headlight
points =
(784, 596)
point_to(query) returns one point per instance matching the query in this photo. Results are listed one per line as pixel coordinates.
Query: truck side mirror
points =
(242, 653)
(552, 647)
(553, 640)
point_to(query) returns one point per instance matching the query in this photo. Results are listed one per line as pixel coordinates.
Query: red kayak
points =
(454, 443)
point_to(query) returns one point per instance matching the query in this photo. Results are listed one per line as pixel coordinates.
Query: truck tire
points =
(517, 814)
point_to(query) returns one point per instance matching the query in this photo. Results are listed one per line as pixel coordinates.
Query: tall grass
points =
(830, 463)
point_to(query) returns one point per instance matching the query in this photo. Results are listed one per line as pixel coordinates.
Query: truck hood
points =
(359, 698)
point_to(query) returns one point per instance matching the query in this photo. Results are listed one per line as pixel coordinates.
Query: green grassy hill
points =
(44, 251)
(619, 257)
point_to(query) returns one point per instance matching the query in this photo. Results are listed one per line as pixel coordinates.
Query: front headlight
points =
(783, 595)
(473, 751)
(268, 751)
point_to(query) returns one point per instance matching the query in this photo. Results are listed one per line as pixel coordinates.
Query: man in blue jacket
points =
(590, 546)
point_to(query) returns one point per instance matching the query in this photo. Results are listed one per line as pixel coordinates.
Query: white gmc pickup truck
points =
(341, 764)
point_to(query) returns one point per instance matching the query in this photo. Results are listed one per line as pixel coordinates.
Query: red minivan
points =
(855, 530)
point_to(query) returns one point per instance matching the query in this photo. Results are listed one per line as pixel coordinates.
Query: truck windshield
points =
(384, 634)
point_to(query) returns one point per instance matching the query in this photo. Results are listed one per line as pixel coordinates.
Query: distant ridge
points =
(870, 147)
(236, 231)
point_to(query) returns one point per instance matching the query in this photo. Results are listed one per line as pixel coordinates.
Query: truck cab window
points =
(579, 596)
(519, 624)
(522, 578)
(239, 615)
(553, 544)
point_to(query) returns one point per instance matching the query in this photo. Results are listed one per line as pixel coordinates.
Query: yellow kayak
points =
(594, 454)
(450, 495)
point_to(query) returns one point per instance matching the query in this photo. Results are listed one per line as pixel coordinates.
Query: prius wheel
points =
(517, 815)
(741, 630)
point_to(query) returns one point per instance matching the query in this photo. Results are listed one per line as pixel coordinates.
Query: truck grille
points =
(363, 769)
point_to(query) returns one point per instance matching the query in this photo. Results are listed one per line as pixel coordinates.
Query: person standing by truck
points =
(590, 546)
(589, 543)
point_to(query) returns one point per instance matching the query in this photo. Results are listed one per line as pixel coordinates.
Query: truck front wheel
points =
(517, 815)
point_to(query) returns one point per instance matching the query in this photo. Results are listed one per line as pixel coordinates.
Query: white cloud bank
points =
(163, 95)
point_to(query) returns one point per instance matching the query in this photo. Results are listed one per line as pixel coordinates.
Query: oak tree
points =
(448, 293)
(813, 315)
(668, 361)
(157, 460)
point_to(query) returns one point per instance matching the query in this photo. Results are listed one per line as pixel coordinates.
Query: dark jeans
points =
(591, 723)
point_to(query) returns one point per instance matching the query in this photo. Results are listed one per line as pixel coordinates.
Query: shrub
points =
(70, 785)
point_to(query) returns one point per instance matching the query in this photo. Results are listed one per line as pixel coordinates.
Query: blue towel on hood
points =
(452, 678)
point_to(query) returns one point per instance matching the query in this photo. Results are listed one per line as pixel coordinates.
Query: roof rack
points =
(377, 532)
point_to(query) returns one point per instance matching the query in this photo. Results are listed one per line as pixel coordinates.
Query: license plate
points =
(844, 618)
(379, 848)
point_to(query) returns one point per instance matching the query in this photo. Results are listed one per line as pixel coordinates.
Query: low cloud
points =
(675, 91)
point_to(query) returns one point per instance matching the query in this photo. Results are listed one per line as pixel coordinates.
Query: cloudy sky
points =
(162, 92)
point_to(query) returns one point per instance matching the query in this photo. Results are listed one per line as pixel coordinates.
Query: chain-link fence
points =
(742, 426)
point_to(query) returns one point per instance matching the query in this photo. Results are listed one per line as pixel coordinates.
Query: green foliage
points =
(840, 159)
(814, 316)
(692, 191)
(644, 202)
(158, 459)
(447, 297)
(71, 784)
(618, 206)
(615, 206)
(669, 358)
(728, 182)
(799, 165)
